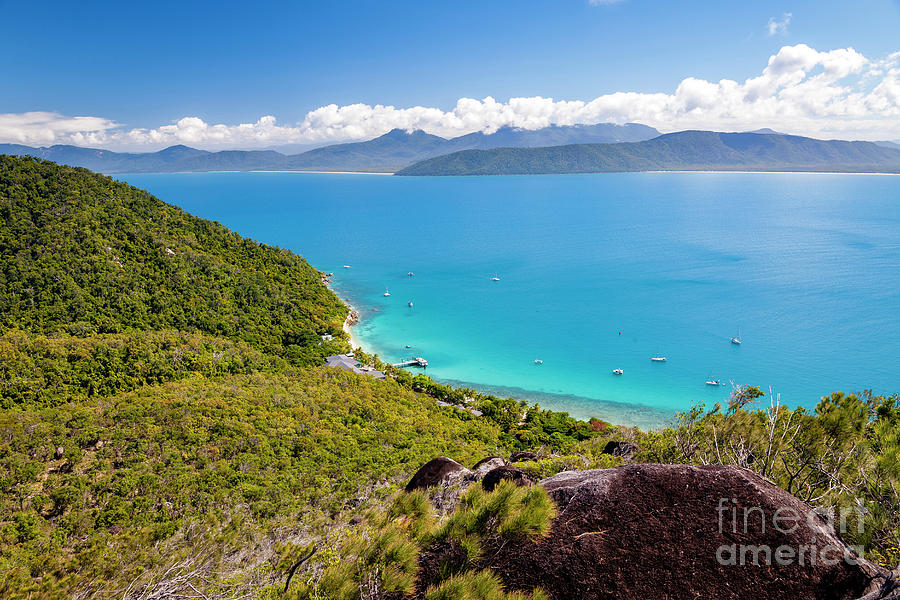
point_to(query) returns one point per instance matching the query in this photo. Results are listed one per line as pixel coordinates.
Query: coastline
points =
(351, 320)
(580, 407)
(894, 173)
(111, 174)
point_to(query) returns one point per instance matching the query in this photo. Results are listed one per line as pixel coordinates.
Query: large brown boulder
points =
(437, 471)
(677, 531)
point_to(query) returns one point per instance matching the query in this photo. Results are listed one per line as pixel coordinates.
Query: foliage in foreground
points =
(94, 494)
(383, 557)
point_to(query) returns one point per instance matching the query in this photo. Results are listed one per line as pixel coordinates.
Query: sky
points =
(142, 76)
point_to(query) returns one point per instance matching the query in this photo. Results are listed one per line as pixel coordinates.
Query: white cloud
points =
(775, 26)
(838, 93)
(48, 128)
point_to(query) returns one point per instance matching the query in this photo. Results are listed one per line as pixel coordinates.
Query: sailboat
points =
(737, 340)
(386, 293)
(495, 278)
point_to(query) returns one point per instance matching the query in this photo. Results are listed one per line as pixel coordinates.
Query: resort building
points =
(349, 363)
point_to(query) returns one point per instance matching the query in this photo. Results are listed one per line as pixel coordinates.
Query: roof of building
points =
(349, 363)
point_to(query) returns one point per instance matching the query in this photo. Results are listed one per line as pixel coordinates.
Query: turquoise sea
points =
(597, 272)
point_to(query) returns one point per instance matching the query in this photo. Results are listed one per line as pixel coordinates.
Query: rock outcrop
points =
(678, 531)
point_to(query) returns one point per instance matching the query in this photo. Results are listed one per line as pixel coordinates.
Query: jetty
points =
(413, 362)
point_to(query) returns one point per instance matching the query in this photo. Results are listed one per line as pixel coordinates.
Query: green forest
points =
(165, 420)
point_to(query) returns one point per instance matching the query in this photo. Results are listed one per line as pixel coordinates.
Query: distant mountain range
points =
(558, 149)
(686, 150)
(387, 153)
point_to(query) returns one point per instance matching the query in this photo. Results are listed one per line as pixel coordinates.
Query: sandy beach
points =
(351, 320)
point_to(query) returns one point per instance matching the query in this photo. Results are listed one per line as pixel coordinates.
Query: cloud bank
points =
(827, 94)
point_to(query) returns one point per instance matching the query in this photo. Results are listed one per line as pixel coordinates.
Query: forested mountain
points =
(556, 135)
(387, 153)
(84, 254)
(687, 150)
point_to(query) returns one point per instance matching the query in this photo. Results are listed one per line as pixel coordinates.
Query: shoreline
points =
(351, 320)
(688, 171)
(618, 413)
(251, 171)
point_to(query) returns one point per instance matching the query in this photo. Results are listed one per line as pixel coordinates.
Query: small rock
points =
(485, 465)
(524, 456)
(517, 476)
(356, 520)
(60, 451)
(625, 450)
(438, 471)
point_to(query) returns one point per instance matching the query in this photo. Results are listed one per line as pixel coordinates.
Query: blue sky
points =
(149, 65)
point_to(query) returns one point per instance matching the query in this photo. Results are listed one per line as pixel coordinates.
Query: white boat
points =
(410, 273)
(386, 293)
(715, 382)
(618, 371)
(538, 361)
(495, 278)
(346, 266)
(737, 340)
(658, 358)
(410, 303)
(408, 346)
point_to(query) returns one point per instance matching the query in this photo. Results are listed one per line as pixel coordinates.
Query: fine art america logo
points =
(813, 533)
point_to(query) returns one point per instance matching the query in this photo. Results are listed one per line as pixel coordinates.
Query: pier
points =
(413, 362)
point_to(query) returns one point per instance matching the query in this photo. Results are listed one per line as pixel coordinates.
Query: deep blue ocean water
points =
(597, 272)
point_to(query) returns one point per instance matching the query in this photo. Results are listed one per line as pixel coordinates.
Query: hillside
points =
(687, 150)
(85, 254)
(387, 153)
